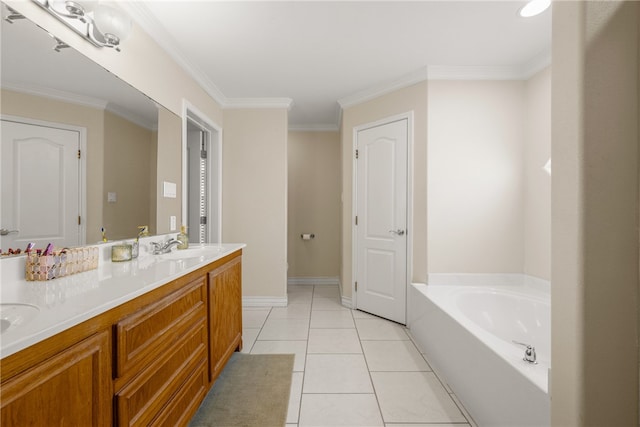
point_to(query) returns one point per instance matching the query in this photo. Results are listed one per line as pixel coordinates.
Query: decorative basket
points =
(62, 263)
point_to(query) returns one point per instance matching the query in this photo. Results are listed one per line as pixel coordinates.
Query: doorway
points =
(201, 177)
(381, 235)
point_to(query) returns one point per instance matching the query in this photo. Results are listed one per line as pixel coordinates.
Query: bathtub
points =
(466, 325)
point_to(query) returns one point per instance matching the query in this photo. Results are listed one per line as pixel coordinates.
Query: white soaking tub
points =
(466, 325)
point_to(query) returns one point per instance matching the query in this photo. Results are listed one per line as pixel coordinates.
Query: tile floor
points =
(351, 368)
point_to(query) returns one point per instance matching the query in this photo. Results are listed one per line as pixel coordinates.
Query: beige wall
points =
(475, 164)
(489, 198)
(46, 109)
(595, 197)
(127, 165)
(537, 183)
(254, 199)
(314, 204)
(169, 168)
(412, 98)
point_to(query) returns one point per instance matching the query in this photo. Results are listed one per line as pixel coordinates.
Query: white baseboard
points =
(265, 301)
(313, 281)
(347, 302)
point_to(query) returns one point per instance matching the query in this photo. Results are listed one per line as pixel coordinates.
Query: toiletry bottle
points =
(143, 230)
(183, 238)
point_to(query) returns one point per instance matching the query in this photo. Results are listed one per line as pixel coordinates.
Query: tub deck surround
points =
(71, 300)
(465, 324)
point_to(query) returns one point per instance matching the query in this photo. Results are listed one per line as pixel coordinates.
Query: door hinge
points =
(79, 220)
(357, 153)
(356, 219)
(78, 153)
(356, 286)
(203, 154)
(203, 220)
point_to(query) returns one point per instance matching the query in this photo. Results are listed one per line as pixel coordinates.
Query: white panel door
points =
(381, 242)
(40, 186)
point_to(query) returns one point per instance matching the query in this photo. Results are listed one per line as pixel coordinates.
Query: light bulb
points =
(114, 25)
(534, 7)
(73, 9)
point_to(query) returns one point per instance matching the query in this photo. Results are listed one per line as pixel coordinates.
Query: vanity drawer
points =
(186, 401)
(159, 388)
(149, 333)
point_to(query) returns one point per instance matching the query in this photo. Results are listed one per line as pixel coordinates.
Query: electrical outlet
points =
(172, 223)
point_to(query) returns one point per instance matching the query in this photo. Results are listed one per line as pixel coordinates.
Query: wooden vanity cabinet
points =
(225, 314)
(149, 361)
(72, 388)
(157, 350)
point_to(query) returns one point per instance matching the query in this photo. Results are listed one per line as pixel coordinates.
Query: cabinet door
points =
(72, 388)
(225, 314)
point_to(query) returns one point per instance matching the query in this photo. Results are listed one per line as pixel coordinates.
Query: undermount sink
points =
(13, 315)
(191, 252)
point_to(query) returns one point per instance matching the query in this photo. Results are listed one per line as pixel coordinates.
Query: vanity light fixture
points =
(534, 7)
(101, 25)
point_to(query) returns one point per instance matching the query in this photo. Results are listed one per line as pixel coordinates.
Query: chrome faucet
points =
(164, 247)
(529, 352)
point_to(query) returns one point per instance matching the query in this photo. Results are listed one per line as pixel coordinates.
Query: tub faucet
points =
(164, 248)
(529, 353)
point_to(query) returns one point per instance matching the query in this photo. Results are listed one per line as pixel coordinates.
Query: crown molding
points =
(447, 72)
(314, 128)
(384, 88)
(523, 72)
(473, 72)
(141, 15)
(536, 65)
(237, 103)
(131, 117)
(85, 101)
(55, 94)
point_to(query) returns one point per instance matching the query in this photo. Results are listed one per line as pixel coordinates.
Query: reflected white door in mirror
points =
(42, 177)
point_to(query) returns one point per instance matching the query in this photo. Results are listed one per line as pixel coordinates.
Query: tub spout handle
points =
(529, 353)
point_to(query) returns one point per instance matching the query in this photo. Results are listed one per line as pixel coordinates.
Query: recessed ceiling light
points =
(534, 7)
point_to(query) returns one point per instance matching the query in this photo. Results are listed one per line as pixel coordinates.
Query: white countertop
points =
(71, 300)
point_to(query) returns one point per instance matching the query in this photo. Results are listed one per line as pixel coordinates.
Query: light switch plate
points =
(172, 223)
(170, 190)
(112, 197)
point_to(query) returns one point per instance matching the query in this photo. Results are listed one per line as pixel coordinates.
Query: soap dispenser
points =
(183, 238)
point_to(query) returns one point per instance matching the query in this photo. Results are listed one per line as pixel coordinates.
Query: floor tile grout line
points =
(373, 386)
(306, 353)
(260, 330)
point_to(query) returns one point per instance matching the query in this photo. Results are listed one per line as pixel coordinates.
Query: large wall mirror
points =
(54, 98)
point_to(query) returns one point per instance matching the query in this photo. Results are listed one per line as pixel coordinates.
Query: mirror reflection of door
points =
(41, 185)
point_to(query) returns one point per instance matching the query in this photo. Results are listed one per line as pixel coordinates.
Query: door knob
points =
(397, 232)
(4, 231)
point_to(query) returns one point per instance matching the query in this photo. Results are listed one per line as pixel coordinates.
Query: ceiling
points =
(320, 55)
(312, 56)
